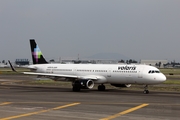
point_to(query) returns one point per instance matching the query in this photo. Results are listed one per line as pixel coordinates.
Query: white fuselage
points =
(106, 73)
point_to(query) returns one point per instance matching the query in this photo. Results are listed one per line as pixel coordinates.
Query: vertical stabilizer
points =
(37, 56)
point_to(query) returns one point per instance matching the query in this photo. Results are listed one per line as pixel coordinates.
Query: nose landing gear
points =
(146, 91)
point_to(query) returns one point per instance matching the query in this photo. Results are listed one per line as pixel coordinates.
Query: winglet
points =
(11, 66)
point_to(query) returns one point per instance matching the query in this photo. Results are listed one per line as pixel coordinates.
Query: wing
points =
(92, 77)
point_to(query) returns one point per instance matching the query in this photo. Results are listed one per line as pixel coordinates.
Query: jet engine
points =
(84, 84)
(121, 85)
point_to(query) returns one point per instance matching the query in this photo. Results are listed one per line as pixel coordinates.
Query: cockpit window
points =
(157, 71)
(153, 71)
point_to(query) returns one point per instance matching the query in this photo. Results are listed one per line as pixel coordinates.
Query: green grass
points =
(167, 71)
(175, 82)
(49, 82)
(165, 88)
(169, 85)
(8, 71)
(17, 69)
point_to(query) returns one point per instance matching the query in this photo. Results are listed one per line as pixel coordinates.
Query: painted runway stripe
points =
(38, 112)
(125, 112)
(10, 82)
(5, 103)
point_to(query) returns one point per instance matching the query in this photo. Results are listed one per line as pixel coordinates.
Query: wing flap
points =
(52, 75)
(92, 77)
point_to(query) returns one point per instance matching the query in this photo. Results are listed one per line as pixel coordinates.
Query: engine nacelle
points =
(121, 85)
(84, 84)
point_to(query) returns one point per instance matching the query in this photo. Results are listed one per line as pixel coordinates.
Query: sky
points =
(138, 29)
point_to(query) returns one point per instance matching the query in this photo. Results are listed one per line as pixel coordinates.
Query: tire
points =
(76, 89)
(101, 88)
(146, 91)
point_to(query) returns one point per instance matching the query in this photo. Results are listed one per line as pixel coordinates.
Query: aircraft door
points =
(75, 71)
(140, 73)
(129, 78)
(109, 73)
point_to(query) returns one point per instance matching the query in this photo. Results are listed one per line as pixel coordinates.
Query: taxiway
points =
(56, 103)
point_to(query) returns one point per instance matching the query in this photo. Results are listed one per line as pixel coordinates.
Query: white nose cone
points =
(161, 78)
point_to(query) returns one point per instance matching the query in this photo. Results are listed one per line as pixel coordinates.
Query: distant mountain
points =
(108, 56)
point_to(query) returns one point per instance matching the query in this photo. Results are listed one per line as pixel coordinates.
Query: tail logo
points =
(37, 53)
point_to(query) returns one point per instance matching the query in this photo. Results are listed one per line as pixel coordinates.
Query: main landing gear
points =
(146, 91)
(76, 86)
(101, 87)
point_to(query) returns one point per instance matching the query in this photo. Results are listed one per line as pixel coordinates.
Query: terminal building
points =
(22, 62)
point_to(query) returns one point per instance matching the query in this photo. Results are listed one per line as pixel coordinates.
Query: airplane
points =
(3, 65)
(84, 76)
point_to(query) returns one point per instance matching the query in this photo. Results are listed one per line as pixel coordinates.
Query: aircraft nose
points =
(162, 78)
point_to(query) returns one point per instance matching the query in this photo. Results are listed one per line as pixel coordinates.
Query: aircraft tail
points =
(37, 56)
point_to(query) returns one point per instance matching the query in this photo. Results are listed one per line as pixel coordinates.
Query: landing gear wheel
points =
(146, 91)
(76, 89)
(76, 86)
(101, 87)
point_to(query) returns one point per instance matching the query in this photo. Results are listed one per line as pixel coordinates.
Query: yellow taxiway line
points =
(125, 112)
(5, 103)
(38, 112)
